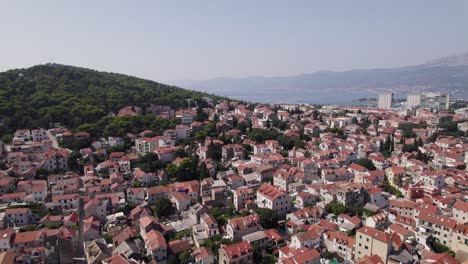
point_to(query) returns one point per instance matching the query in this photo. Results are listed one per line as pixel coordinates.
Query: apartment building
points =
(268, 196)
(370, 241)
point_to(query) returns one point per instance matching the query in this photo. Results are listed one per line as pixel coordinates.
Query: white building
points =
(385, 100)
(413, 100)
(272, 198)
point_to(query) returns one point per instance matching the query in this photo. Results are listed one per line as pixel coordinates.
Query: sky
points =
(195, 40)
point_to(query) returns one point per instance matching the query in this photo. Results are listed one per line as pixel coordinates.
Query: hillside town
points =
(225, 181)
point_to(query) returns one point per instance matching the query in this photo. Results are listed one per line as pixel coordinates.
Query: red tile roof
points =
(374, 233)
(236, 250)
(270, 191)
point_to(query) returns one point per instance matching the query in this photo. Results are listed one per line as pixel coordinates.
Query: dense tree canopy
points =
(163, 207)
(72, 96)
(366, 163)
(268, 217)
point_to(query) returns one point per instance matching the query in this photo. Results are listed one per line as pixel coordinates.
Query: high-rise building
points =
(436, 101)
(385, 100)
(413, 100)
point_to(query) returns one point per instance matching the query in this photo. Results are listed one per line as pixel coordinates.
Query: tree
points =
(214, 151)
(420, 142)
(74, 161)
(268, 217)
(366, 163)
(172, 170)
(163, 207)
(185, 257)
(201, 115)
(150, 163)
(204, 172)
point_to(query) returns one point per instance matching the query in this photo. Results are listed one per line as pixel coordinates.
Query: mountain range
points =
(449, 74)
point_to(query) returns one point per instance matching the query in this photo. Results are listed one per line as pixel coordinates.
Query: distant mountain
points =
(445, 74)
(53, 93)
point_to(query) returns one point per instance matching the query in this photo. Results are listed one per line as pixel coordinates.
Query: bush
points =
(163, 207)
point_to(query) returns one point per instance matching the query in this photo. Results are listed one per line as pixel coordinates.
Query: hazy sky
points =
(175, 40)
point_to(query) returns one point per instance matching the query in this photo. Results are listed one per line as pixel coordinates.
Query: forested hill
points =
(36, 96)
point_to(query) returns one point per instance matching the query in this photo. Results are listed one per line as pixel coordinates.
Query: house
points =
(210, 224)
(156, 245)
(436, 178)
(96, 251)
(181, 200)
(301, 256)
(18, 216)
(186, 116)
(6, 239)
(440, 227)
(268, 196)
(146, 178)
(379, 161)
(91, 228)
(28, 239)
(379, 220)
(304, 216)
(403, 207)
(377, 197)
(372, 259)
(309, 239)
(66, 201)
(232, 151)
(97, 208)
(304, 199)
(238, 253)
(56, 159)
(370, 241)
(146, 224)
(178, 246)
(145, 144)
(439, 258)
(240, 196)
(259, 238)
(340, 243)
(166, 154)
(460, 211)
(203, 255)
(182, 132)
(351, 194)
(238, 227)
(282, 179)
(136, 195)
(118, 259)
(156, 192)
(395, 175)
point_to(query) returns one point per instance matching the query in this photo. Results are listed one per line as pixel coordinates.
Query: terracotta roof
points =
(179, 246)
(357, 167)
(270, 191)
(118, 259)
(236, 250)
(202, 253)
(303, 257)
(245, 222)
(461, 205)
(374, 233)
(440, 258)
(28, 237)
(155, 240)
(372, 259)
(437, 219)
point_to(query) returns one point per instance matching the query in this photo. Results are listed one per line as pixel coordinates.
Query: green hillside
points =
(37, 96)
